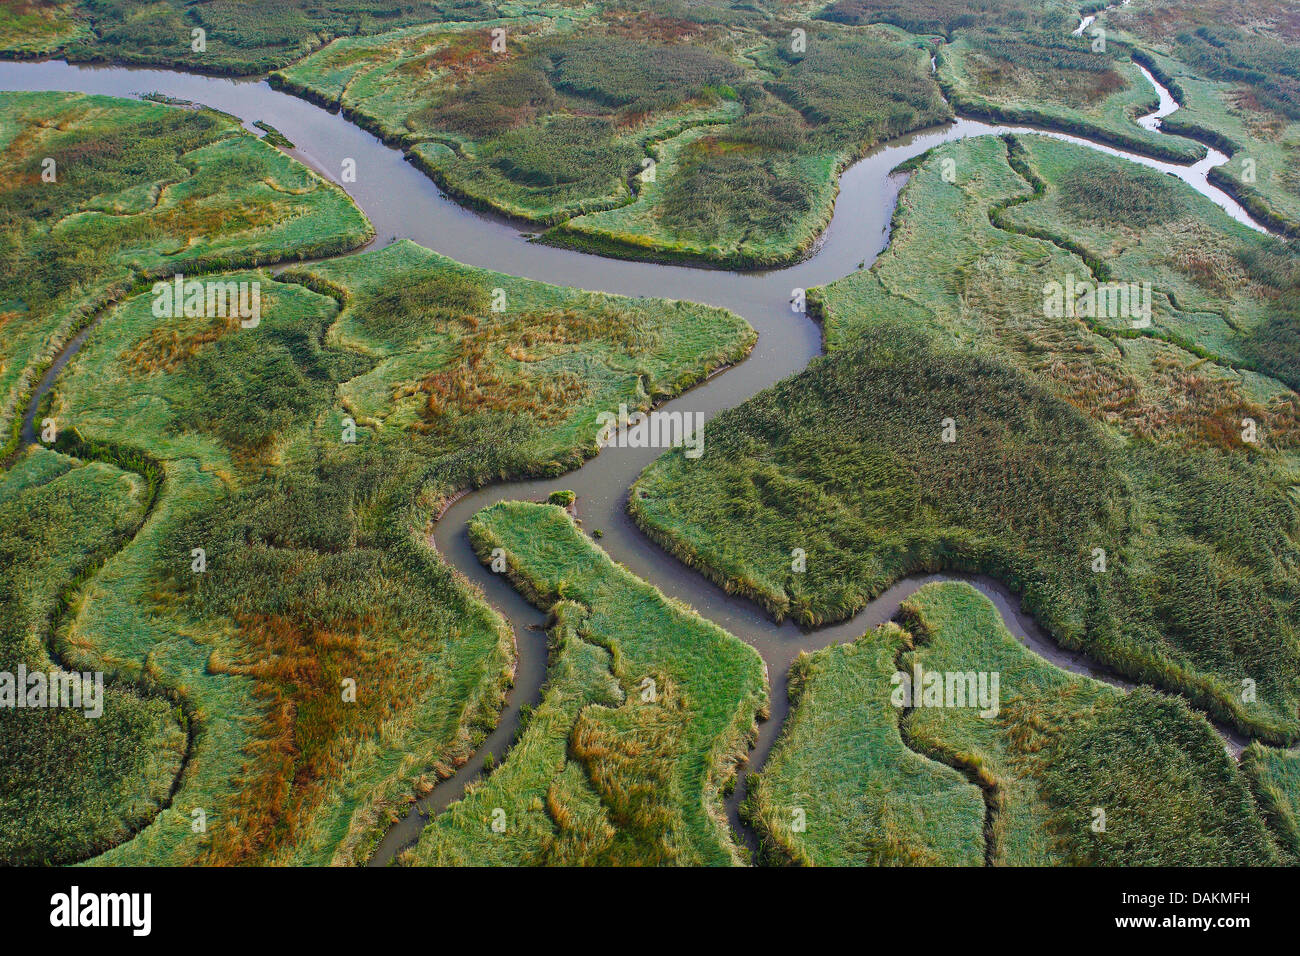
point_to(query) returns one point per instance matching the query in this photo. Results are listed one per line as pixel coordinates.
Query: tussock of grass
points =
(1274, 777)
(1141, 198)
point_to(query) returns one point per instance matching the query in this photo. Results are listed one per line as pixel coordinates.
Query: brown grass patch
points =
(629, 755)
(644, 25)
(165, 349)
(459, 55)
(480, 378)
(307, 731)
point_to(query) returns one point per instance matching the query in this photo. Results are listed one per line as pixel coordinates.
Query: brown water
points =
(403, 203)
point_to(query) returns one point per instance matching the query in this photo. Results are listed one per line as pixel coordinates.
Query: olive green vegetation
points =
(1274, 777)
(1070, 435)
(1220, 291)
(1250, 46)
(646, 711)
(1038, 210)
(239, 38)
(1274, 344)
(304, 458)
(1021, 786)
(557, 125)
(549, 127)
(37, 27)
(1235, 71)
(759, 190)
(1073, 434)
(842, 788)
(71, 782)
(1046, 76)
(312, 574)
(516, 391)
(934, 16)
(1020, 62)
(1063, 747)
(135, 190)
(273, 135)
(748, 135)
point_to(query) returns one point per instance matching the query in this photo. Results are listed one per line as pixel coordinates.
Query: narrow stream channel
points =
(403, 203)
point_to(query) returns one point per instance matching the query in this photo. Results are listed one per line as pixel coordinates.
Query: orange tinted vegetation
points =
(474, 385)
(1262, 121)
(644, 25)
(307, 729)
(1071, 86)
(1106, 83)
(629, 757)
(1205, 411)
(205, 215)
(462, 53)
(1180, 404)
(165, 348)
(477, 379)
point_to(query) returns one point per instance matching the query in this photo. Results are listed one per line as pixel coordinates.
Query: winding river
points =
(403, 203)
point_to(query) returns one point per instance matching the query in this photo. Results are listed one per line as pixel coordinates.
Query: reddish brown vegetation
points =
(307, 729)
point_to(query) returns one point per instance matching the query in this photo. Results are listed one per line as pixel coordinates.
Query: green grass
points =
(1274, 777)
(259, 669)
(316, 573)
(543, 131)
(238, 40)
(514, 392)
(1062, 747)
(1273, 345)
(1046, 210)
(604, 772)
(843, 773)
(1262, 144)
(141, 190)
(1018, 788)
(1052, 79)
(1019, 63)
(1224, 41)
(1236, 74)
(750, 138)
(857, 88)
(1215, 284)
(29, 28)
(714, 202)
(317, 567)
(1074, 434)
(1091, 437)
(933, 16)
(72, 785)
(757, 191)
